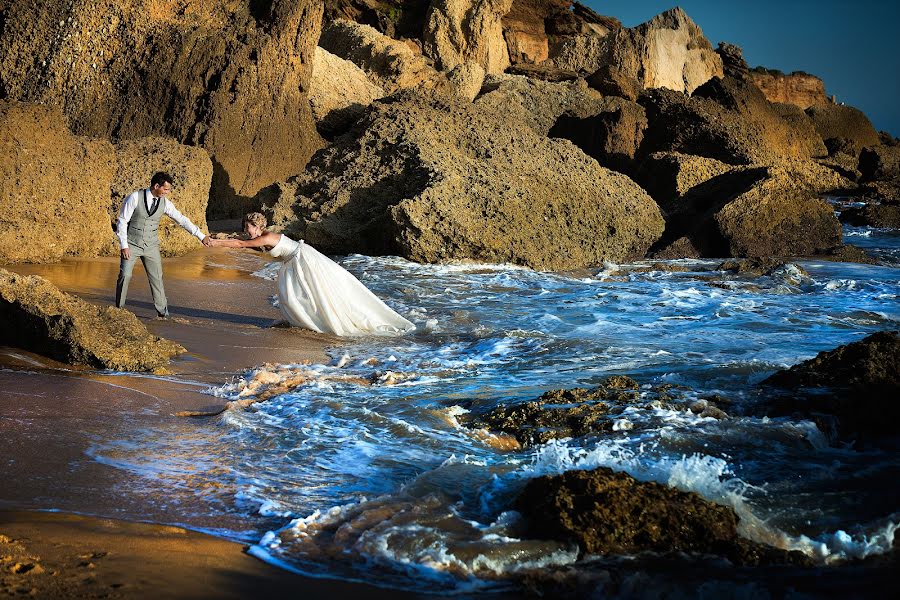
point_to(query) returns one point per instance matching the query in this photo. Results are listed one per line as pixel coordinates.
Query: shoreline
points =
(63, 555)
(51, 412)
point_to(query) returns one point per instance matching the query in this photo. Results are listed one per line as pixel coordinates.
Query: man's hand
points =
(126, 253)
(207, 241)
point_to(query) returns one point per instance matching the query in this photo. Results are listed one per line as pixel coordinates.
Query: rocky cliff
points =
(801, 89)
(230, 76)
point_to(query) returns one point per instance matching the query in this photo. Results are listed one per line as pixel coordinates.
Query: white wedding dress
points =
(317, 293)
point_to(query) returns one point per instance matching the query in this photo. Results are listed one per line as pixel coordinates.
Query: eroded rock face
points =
(390, 64)
(670, 176)
(435, 179)
(192, 171)
(858, 383)
(612, 513)
(459, 31)
(668, 51)
(339, 92)
(800, 89)
(836, 121)
(229, 75)
(727, 119)
(54, 187)
(36, 316)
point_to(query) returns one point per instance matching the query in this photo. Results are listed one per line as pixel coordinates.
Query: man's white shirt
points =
(130, 204)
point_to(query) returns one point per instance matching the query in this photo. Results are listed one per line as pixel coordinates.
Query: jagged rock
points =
(802, 127)
(858, 383)
(733, 63)
(339, 92)
(670, 176)
(836, 121)
(667, 51)
(36, 316)
(886, 191)
(612, 81)
(726, 119)
(879, 162)
(46, 210)
(612, 136)
(228, 76)
(393, 18)
(612, 513)
(436, 179)
(544, 72)
(466, 79)
(539, 104)
(189, 166)
(459, 31)
(799, 89)
(872, 215)
(525, 31)
(390, 64)
(756, 212)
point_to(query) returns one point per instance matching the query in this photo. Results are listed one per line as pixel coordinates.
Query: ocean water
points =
(360, 469)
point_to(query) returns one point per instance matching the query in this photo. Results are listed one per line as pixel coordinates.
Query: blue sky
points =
(853, 46)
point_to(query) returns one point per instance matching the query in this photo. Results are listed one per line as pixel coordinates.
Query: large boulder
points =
(611, 513)
(192, 171)
(339, 92)
(836, 121)
(728, 119)
(668, 51)
(879, 162)
(228, 75)
(756, 212)
(858, 383)
(436, 179)
(36, 316)
(459, 31)
(390, 64)
(54, 187)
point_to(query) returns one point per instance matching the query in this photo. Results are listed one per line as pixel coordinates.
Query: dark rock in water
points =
(844, 122)
(579, 411)
(846, 253)
(872, 215)
(858, 383)
(609, 80)
(885, 191)
(606, 513)
(793, 274)
(36, 316)
(879, 162)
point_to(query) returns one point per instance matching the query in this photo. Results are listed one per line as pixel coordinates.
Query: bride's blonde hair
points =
(254, 218)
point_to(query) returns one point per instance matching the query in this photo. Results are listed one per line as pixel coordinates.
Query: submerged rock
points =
(434, 178)
(858, 383)
(36, 316)
(577, 412)
(608, 513)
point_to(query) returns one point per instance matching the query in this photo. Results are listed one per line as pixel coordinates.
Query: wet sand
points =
(51, 413)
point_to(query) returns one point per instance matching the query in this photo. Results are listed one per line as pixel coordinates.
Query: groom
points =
(137, 229)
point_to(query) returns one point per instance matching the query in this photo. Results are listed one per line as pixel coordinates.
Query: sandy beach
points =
(51, 411)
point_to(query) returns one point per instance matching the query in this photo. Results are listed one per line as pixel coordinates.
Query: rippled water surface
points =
(360, 468)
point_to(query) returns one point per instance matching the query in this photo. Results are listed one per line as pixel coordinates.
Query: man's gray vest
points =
(144, 226)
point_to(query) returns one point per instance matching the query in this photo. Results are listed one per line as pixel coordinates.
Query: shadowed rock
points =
(836, 121)
(879, 162)
(608, 513)
(36, 316)
(432, 178)
(858, 383)
(872, 215)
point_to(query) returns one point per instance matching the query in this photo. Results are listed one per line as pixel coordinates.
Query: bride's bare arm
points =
(267, 239)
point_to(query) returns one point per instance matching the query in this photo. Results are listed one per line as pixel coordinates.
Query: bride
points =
(315, 292)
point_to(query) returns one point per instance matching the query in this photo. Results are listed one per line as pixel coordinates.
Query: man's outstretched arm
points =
(186, 223)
